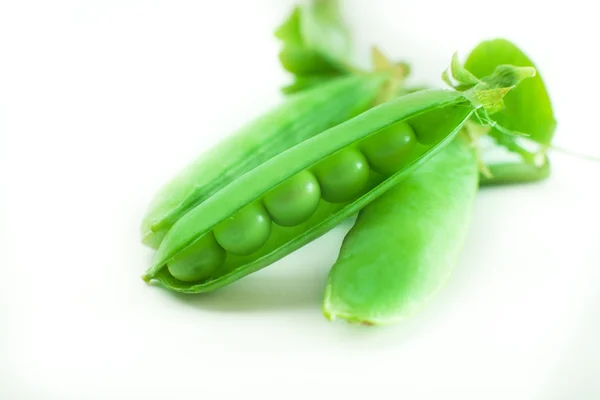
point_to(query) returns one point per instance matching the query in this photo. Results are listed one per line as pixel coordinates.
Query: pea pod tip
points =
(332, 315)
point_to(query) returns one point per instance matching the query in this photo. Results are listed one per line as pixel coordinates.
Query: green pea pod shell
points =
(405, 244)
(300, 117)
(436, 117)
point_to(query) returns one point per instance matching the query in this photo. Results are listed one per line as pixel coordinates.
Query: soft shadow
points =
(263, 291)
(294, 282)
(372, 338)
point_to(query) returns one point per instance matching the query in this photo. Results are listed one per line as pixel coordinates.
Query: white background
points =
(101, 102)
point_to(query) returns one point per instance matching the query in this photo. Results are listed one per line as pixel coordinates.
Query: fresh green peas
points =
(387, 150)
(198, 261)
(342, 172)
(295, 200)
(246, 231)
(343, 175)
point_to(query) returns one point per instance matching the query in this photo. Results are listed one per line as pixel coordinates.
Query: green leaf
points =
(289, 30)
(300, 60)
(460, 74)
(324, 30)
(446, 78)
(316, 44)
(303, 82)
(527, 108)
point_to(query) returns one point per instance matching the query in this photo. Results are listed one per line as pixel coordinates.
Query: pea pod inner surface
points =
(307, 156)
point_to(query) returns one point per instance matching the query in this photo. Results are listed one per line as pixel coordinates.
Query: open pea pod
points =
(302, 193)
(298, 118)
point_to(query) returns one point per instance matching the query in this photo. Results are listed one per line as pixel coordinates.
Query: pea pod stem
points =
(514, 172)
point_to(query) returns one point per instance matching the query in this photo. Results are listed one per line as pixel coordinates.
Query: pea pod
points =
(404, 245)
(435, 117)
(300, 117)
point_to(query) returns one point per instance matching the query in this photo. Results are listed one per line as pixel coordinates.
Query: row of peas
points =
(339, 178)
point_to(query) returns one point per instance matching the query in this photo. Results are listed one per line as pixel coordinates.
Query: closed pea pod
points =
(404, 245)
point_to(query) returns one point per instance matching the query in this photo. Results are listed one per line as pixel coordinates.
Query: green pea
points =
(199, 261)
(295, 200)
(246, 231)
(433, 126)
(388, 149)
(343, 175)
